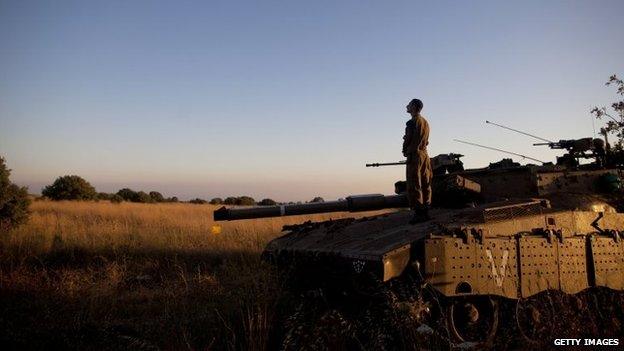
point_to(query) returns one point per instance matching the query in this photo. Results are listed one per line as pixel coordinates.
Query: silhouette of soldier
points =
(418, 166)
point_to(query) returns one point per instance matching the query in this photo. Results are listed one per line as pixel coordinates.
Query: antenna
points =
(500, 150)
(593, 125)
(518, 131)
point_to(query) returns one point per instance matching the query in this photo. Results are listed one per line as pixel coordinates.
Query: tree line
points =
(73, 187)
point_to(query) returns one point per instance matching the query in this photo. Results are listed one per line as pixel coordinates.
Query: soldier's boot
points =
(425, 213)
(416, 218)
(420, 215)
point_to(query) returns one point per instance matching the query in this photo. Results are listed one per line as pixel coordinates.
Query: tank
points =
(500, 241)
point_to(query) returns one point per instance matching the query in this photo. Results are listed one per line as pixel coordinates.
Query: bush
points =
(198, 201)
(104, 196)
(70, 187)
(143, 197)
(127, 194)
(216, 201)
(230, 200)
(267, 202)
(14, 201)
(172, 199)
(245, 201)
(318, 199)
(116, 199)
(156, 196)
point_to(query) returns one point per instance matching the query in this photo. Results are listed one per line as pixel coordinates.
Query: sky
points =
(289, 99)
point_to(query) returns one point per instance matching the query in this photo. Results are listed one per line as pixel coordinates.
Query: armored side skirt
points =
(524, 265)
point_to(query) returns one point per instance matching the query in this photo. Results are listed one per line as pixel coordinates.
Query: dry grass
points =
(97, 225)
(116, 276)
(104, 276)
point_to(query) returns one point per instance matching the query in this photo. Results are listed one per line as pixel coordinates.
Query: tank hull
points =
(510, 249)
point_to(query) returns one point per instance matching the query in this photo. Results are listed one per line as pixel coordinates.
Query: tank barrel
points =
(354, 203)
(381, 164)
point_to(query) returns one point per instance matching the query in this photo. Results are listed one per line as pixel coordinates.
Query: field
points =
(97, 275)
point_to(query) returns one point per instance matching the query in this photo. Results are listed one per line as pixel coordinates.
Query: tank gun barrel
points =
(550, 145)
(380, 164)
(585, 144)
(356, 203)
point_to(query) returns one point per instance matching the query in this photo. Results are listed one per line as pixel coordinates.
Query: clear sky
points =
(289, 99)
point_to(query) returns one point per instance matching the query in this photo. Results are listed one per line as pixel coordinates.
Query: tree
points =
(267, 202)
(172, 199)
(245, 201)
(70, 187)
(127, 194)
(216, 201)
(230, 200)
(198, 201)
(615, 124)
(14, 201)
(318, 199)
(156, 196)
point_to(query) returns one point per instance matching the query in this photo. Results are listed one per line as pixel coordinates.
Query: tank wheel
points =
(473, 319)
(534, 318)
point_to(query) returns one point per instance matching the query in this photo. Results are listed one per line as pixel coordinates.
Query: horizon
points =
(289, 101)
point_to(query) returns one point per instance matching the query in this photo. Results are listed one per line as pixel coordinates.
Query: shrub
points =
(230, 200)
(245, 201)
(14, 201)
(198, 201)
(104, 196)
(116, 199)
(143, 197)
(127, 194)
(70, 187)
(172, 199)
(216, 201)
(156, 196)
(267, 202)
(318, 199)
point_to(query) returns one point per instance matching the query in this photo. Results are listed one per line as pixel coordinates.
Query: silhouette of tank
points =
(498, 235)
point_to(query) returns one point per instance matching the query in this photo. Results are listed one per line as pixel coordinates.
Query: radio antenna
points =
(499, 150)
(518, 131)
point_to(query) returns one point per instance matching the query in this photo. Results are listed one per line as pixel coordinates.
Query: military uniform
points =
(418, 170)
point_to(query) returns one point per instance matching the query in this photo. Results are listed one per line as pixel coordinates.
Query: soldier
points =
(418, 166)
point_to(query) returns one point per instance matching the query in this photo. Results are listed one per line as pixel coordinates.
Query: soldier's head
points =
(414, 107)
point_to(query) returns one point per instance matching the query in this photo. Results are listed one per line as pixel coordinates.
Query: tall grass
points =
(97, 275)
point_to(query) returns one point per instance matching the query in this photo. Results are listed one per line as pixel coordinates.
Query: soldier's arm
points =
(407, 138)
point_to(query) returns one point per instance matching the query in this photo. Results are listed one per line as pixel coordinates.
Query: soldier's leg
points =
(427, 178)
(420, 182)
(410, 180)
(423, 185)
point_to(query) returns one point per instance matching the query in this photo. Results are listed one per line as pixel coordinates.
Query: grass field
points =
(87, 275)
(138, 276)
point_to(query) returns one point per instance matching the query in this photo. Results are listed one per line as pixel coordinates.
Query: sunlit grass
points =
(87, 274)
